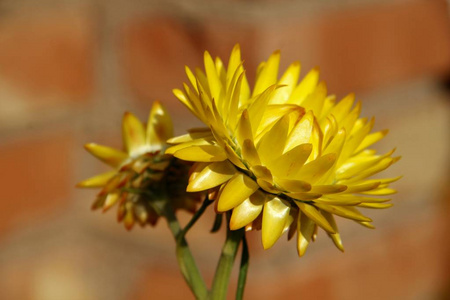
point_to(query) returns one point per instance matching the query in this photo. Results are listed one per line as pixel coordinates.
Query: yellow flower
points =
(283, 156)
(142, 166)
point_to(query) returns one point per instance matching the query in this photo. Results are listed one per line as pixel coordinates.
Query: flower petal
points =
(211, 176)
(268, 75)
(275, 215)
(301, 133)
(159, 126)
(291, 185)
(335, 237)
(97, 181)
(192, 135)
(206, 153)
(247, 211)
(313, 171)
(371, 139)
(306, 87)
(108, 155)
(376, 205)
(315, 215)
(244, 129)
(133, 134)
(328, 189)
(290, 162)
(239, 188)
(348, 212)
(250, 154)
(289, 81)
(272, 143)
(305, 231)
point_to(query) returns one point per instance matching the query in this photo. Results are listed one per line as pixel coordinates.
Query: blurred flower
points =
(142, 173)
(283, 156)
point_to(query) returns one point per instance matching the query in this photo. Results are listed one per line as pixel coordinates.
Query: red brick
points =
(48, 54)
(153, 52)
(368, 47)
(36, 177)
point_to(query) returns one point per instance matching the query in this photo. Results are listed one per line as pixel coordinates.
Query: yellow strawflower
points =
(141, 166)
(283, 156)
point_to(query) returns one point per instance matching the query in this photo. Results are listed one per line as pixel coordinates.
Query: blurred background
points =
(69, 69)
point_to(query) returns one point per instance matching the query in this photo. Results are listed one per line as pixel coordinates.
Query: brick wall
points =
(69, 69)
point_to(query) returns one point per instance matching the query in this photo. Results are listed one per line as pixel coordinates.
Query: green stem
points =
(223, 271)
(197, 215)
(243, 269)
(184, 256)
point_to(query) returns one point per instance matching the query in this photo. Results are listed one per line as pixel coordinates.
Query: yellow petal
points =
(315, 215)
(250, 154)
(262, 172)
(305, 231)
(384, 180)
(108, 155)
(381, 192)
(306, 87)
(349, 121)
(239, 188)
(196, 142)
(341, 110)
(335, 237)
(268, 186)
(316, 99)
(275, 215)
(312, 171)
(247, 211)
(234, 158)
(371, 139)
(159, 126)
(348, 212)
(289, 81)
(133, 134)
(333, 200)
(234, 102)
(350, 197)
(292, 185)
(376, 205)
(211, 176)
(206, 153)
(268, 75)
(328, 189)
(301, 134)
(183, 97)
(304, 196)
(336, 144)
(382, 165)
(97, 181)
(199, 134)
(234, 62)
(366, 224)
(272, 143)
(356, 165)
(110, 200)
(291, 161)
(214, 83)
(244, 129)
(258, 106)
(362, 187)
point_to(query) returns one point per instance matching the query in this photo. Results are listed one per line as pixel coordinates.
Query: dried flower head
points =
(284, 155)
(142, 173)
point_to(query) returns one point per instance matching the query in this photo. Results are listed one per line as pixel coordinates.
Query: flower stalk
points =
(185, 258)
(225, 265)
